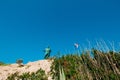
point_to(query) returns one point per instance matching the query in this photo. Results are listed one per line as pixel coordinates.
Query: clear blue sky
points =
(28, 26)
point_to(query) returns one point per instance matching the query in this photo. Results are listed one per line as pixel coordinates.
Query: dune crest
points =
(7, 70)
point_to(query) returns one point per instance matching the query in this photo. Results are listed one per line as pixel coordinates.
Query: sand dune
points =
(5, 71)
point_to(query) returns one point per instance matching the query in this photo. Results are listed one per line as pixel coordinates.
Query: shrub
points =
(39, 75)
(3, 64)
(19, 62)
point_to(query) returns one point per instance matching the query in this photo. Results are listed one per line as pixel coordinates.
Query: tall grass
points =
(104, 64)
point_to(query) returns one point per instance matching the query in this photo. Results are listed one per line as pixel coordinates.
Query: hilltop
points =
(100, 66)
(7, 70)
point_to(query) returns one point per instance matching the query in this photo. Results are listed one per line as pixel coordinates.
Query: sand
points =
(45, 65)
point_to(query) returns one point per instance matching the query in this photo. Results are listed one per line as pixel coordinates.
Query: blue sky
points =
(28, 26)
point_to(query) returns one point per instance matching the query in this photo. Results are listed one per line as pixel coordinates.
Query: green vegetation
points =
(3, 64)
(100, 66)
(99, 63)
(20, 62)
(39, 75)
(62, 74)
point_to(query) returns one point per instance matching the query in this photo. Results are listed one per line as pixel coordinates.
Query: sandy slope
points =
(29, 67)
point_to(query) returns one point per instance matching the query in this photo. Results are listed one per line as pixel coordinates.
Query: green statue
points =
(47, 52)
